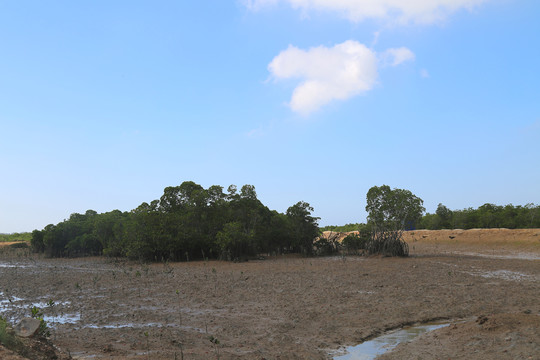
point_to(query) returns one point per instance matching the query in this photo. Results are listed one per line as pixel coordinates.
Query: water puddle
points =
(505, 275)
(5, 265)
(372, 348)
(140, 326)
(14, 308)
(517, 256)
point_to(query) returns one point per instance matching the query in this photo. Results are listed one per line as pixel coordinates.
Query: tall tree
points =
(304, 227)
(390, 212)
(445, 216)
(395, 209)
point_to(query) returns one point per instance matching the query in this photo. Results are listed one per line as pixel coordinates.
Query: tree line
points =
(187, 222)
(484, 217)
(15, 237)
(190, 222)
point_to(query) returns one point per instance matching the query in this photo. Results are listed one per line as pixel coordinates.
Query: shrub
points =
(324, 246)
(7, 337)
(354, 242)
(387, 243)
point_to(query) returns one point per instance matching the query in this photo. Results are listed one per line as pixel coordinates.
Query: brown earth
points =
(290, 307)
(498, 336)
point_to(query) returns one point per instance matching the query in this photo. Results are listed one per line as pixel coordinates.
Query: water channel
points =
(372, 348)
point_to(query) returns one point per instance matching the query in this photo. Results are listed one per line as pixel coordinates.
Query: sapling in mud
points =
(145, 269)
(214, 271)
(36, 313)
(215, 343)
(179, 307)
(147, 345)
(181, 351)
(96, 279)
(51, 306)
(167, 268)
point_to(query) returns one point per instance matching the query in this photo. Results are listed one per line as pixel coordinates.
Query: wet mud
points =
(279, 308)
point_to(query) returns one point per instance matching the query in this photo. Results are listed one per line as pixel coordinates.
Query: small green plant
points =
(51, 306)
(43, 330)
(215, 343)
(146, 335)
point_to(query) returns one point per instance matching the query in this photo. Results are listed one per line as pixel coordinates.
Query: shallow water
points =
(518, 256)
(372, 348)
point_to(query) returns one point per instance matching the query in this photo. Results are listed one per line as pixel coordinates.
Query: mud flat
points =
(287, 307)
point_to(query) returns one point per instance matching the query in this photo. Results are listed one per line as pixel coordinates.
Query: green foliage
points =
(353, 243)
(343, 228)
(393, 210)
(486, 216)
(19, 245)
(37, 242)
(234, 242)
(36, 313)
(444, 215)
(387, 243)
(187, 222)
(7, 336)
(304, 227)
(390, 212)
(16, 237)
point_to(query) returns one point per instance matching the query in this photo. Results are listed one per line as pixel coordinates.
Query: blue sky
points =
(105, 103)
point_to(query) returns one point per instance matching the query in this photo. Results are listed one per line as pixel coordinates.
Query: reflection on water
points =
(381, 344)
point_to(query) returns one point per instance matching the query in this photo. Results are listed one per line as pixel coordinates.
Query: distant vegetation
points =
(343, 228)
(190, 222)
(15, 237)
(187, 222)
(486, 216)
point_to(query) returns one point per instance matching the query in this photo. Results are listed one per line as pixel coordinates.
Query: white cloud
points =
(395, 11)
(328, 74)
(396, 56)
(424, 73)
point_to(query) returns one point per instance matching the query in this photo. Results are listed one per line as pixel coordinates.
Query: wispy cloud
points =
(396, 56)
(394, 11)
(255, 133)
(329, 74)
(424, 73)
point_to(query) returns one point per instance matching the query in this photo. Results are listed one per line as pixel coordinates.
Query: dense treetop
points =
(187, 222)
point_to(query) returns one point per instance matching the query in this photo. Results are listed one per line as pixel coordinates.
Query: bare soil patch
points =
(279, 308)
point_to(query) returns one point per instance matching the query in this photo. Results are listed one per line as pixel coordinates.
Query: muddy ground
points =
(290, 307)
